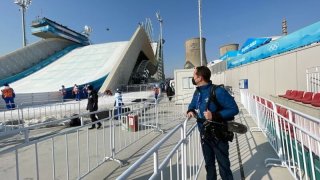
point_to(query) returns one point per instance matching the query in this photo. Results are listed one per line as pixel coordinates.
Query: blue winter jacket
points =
(201, 97)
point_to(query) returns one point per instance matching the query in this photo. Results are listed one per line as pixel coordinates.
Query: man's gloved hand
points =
(191, 113)
(215, 116)
(208, 115)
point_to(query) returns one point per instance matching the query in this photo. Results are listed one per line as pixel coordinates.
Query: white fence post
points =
(313, 79)
(257, 118)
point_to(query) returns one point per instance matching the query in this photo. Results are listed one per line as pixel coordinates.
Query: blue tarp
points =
(300, 38)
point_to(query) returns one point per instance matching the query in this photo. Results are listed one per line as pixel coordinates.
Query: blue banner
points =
(229, 55)
(253, 43)
(300, 38)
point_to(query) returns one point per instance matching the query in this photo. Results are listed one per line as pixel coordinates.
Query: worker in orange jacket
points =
(8, 96)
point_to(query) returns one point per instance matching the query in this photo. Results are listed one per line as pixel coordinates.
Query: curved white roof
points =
(80, 66)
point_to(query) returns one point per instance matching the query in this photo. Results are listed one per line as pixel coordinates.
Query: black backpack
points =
(220, 132)
(75, 121)
(213, 97)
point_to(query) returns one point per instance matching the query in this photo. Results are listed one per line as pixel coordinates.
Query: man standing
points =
(170, 92)
(224, 109)
(156, 93)
(93, 105)
(118, 103)
(85, 90)
(63, 92)
(76, 92)
(8, 96)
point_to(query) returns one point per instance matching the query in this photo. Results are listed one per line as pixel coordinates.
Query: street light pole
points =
(23, 6)
(161, 46)
(24, 43)
(200, 31)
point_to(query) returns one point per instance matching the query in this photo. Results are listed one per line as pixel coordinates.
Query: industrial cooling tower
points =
(228, 47)
(193, 53)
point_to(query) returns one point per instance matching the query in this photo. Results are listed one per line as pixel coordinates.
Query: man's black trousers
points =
(93, 119)
(219, 149)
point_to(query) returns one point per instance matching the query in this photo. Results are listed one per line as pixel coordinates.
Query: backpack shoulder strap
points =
(213, 97)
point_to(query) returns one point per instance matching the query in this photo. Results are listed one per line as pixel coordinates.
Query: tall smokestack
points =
(228, 47)
(284, 27)
(193, 53)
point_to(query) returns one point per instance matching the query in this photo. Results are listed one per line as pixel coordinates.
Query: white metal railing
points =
(137, 88)
(186, 155)
(294, 135)
(35, 98)
(26, 114)
(23, 116)
(313, 79)
(59, 116)
(75, 152)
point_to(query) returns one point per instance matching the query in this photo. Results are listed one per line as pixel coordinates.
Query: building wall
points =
(275, 75)
(253, 73)
(285, 69)
(312, 56)
(272, 76)
(218, 78)
(179, 75)
(123, 68)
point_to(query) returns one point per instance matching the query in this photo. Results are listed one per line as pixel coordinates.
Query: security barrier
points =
(313, 79)
(35, 112)
(24, 116)
(186, 156)
(294, 136)
(75, 152)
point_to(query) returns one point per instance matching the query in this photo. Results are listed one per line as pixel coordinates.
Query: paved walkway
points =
(254, 149)
(247, 154)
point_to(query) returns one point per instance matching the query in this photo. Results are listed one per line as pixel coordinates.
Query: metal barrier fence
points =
(30, 115)
(182, 162)
(313, 79)
(34, 98)
(294, 135)
(26, 115)
(137, 88)
(74, 152)
(50, 115)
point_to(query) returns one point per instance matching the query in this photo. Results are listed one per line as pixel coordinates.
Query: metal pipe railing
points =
(294, 135)
(186, 149)
(75, 152)
(313, 79)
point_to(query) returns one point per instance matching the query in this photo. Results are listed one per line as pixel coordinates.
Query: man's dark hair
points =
(204, 72)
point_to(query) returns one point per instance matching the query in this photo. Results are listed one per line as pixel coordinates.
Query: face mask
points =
(193, 82)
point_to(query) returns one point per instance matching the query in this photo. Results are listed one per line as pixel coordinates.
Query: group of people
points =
(75, 92)
(92, 104)
(169, 89)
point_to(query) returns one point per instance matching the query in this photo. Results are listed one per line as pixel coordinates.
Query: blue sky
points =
(224, 21)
